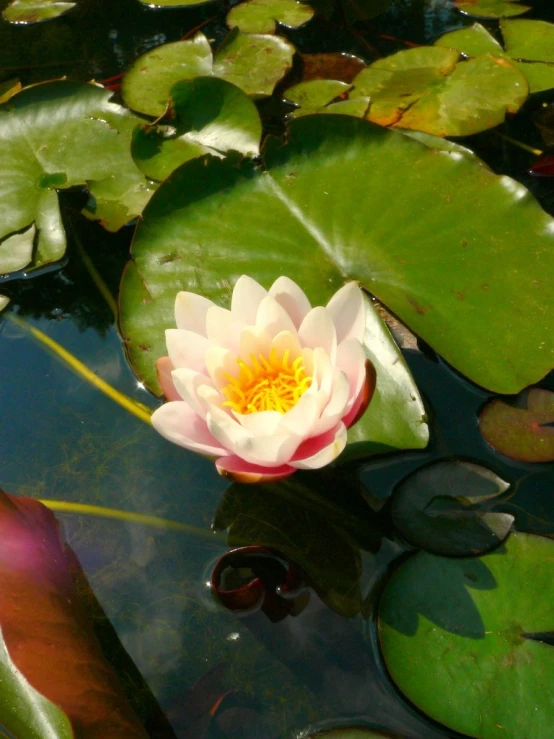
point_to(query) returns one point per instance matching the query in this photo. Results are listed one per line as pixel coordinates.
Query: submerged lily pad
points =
(326, 209)
(208, 115)
(252, 62)
(352, 732)
(262, 16)
(491, 8)
(429, 89)
(522, 431)
(434, 508)
(55, 135)
(469, 641)
(34, 11)
(533, 37)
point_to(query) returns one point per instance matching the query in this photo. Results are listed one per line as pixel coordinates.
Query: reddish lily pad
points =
(331, 66)
(543, 166)
(48, 636)
(522, 431)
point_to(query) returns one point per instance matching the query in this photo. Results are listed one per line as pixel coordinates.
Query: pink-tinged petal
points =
(186, 349)
(262, 423)
(302, 418)
(164, 367)
(178, 423)
(364, 397)
(223, 329)
(267, 451)
(188, 383)
(291, 298)
(238, 470)
(221, 362)
(320, 450)
(336, 407)
(348, 311)
(351, 360)
(322, 373)
(247, 296)
(253, 342)
(286, 341)
(318, 330)
(271, 317)
(190, 312)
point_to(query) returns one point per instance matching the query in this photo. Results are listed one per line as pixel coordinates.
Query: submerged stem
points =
(133, 406)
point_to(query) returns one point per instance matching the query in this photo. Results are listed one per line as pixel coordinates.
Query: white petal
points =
(262, 423)
(222, 328)
(253, 342)
(301, 419)
(291, 298)
(188, 382)
(226, 429)
(271, 317)
(190, 312)
(221, 362)
(347, 309)
(247, 296)
(318, 330)
(351, 360)
(269, 451)
(287, 341)
(325, 455)
(187, 348)
(178, 423)
(338, 405)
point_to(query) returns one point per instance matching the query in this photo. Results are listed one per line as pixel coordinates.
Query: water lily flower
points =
(269, 386)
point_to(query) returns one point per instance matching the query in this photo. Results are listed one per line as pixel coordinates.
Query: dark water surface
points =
(62, 439)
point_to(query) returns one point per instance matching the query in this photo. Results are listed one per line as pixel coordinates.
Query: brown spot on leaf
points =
(419, 308)
(145, 347)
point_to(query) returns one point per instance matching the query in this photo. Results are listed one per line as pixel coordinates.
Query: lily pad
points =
(4, 300)
(262, 16)
(491, 8)
(34, 11)
(331, 66)
(317, 96)
(173, 3)
(208, 115)
(522, 431)
(55, 135)
(476, 40)
(434, 508)
(252, 62)
(482, 630)
(326, 209)
(429, 89)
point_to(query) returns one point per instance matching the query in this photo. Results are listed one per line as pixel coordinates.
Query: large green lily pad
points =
(208, 115)
(435, 508)
(53, 136)
(435, 236)
(522, 431)
(491, 8)
(470, 641)
(429, 89)
(252, 62)
(34, 11)
(262, 16)
(522, 37)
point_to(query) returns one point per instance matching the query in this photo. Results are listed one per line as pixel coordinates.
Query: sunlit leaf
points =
(316, 93)
(482, 632)
(252, 62)
(4, 300)
(261, 16)
(491, 8)
(429, 89)
(325, 210)
(48, 640)
(522, 431)
(523, 35)
(434, 508)
(34, 11)
(53, 136)
(209, 115)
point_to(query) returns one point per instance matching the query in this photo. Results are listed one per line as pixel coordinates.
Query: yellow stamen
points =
(266, 384)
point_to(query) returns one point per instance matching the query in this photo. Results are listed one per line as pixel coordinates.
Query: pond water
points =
(63, 440)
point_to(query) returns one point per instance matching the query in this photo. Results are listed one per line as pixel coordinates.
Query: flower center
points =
(266, 384)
